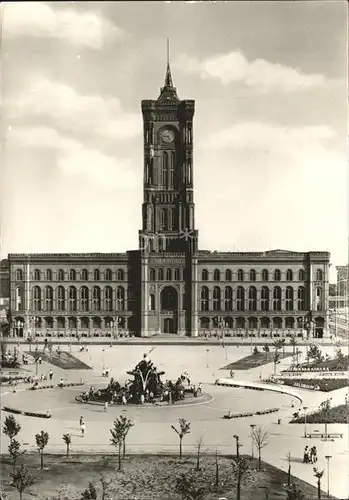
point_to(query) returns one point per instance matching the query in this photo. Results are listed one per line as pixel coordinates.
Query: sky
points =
(270, 141)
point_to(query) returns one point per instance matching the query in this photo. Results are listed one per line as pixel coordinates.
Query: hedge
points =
(72, 384)
(26, 413)
(317, 384)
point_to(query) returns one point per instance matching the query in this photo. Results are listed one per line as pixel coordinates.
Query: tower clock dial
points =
(167, 135)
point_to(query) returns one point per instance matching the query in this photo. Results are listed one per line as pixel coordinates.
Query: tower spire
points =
(168, 77)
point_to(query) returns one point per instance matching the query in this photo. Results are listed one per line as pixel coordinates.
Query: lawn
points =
(254, 360)
(336, 415)
(330, 364)
(146, 477)
(319, 384)
(61, 359)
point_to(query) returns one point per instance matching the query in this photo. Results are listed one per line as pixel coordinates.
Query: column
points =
(194, 298)
(144, 296)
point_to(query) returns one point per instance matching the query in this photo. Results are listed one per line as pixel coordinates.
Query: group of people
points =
(310, 455)
(105, 372)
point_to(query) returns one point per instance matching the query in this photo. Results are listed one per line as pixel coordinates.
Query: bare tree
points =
(217, 469)
(105, 485)
(11, 427)
(186, 487)
(21, 479)
(184, 428)
(117, 438)
(15, 452)
(294, 493)
(41, 442)
(241, 467)
(199, 444)
(127, 425)
(260, 439)
(67, 439)
(318, 474)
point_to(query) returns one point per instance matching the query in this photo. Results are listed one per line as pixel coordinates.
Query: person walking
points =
(306, 455)
(50, 373)
(83, 427)
(313, 454)
(106, 406)
(81, 421)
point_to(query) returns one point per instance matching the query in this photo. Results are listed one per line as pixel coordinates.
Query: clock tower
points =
(168, 223)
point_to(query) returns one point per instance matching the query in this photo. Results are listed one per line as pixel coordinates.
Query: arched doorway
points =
(319, 327)
(169, 309)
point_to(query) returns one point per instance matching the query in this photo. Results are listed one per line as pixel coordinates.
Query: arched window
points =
(120, 298)
(96, 275)
(48, 298)
(216, 298)
(120, 275)
(108, 275)
(318, 299)
(84, 275)
(152, 274)
(160, 274)
(252, 275)
(96, 298)
(60, 298)
(265, 275)
(216, 275)
(205, 299)
(108, 298)
(204, 275)
(252, 298)
(228, 275)
(48, 275)
(265, 298)
(72, 275)
(168, 274)
(240, 298)
(171, 170)
(19, 299)
(19, 275)
(289, 275)
(301, 298)
(289, 298)
(177, 275)
(228, 298)
(60, 275)
(319, 275)
(164, 169)
(240, 275)
(72, 298)
(37, 298)
(301, 275)
(36, 275)
(84, 298)
(152, 302)
(277, 275)
(277, 298)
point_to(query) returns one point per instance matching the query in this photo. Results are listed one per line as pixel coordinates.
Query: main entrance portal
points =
(169, 309)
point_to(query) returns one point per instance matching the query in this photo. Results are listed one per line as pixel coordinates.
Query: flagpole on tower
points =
(168, 51)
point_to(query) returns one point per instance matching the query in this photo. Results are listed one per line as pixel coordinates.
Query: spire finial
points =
(168, 78)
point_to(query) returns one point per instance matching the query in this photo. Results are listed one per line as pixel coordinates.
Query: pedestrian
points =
(81, 421)
(61, 383)
(106, 371)
(83, 427)
(40, 360)
(306, 455)
(313, 455)
(50, 373)
(103, 372)
(142, 398)
(15, 387)
(106, 406)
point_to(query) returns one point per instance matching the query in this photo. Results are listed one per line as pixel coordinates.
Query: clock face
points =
(167, 135)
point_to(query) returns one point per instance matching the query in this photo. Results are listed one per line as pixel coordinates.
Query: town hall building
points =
(168, 285)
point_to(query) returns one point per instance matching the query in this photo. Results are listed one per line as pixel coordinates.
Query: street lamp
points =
(326, 405)
(328, 457)
(103, 357)
(252, 427)
(111, 324)
(238, 446)
(207, 351)
(305, 420)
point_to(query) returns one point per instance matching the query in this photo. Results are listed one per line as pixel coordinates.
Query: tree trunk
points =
(318, 489)
(238, 488)
(123, 448)
(20, 495)
(14, 464)
(67, 450)
(289, 476)
(42, 461)
(119, 456)
(180, 447)
(198, 461)
(259, 459)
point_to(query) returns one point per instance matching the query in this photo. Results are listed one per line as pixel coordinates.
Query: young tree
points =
(217, 469)
(105, 485)
(276, 360)
(117, 438)
(67, 439)
(21, 479)
(11, 427)
(199, 444)
(293, 343)
(90, 493)
(266, 350)
(241, 467)
(255, 351)
(318, 474)
(188, 489)
(260, 439)
(127, 425)
(184, 428)
(14, 450)
(41, 441)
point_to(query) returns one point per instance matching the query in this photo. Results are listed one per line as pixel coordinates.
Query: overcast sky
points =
(269, 81)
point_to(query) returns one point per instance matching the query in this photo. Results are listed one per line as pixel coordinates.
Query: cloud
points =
(73, 158)
(41, 20)
(260, 74)
(91, 113)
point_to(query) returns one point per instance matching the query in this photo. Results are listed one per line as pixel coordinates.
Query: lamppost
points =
(111, 324)
(238, 446)
(328, 457)
(326, 405)
(252, 427)
(289, 469)
(103, 357)
(305, 420)
(207, 351)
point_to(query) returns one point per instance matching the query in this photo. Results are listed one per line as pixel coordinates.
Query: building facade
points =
(168, 285)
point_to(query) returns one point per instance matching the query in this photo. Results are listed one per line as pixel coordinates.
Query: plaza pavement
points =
(152, 431)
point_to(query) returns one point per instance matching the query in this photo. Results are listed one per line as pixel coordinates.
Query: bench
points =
(322, 435)
(14, 373)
